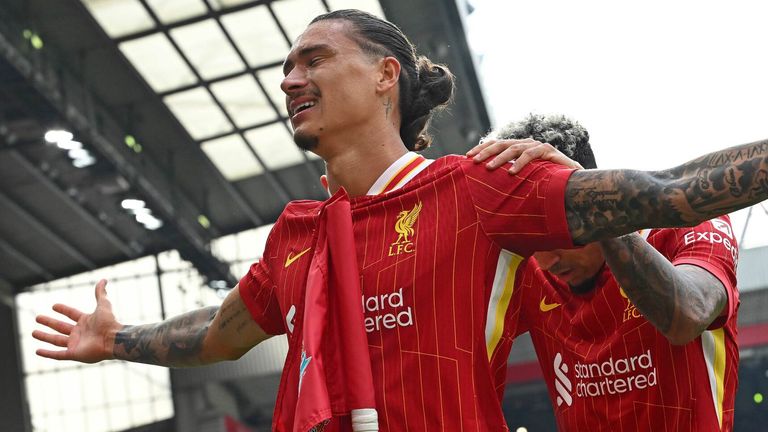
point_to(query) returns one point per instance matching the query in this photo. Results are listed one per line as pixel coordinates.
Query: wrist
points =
(109, 341)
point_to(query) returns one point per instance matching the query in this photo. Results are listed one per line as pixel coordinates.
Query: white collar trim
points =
(390, 173)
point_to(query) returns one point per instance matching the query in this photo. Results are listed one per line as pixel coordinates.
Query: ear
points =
(389, 74)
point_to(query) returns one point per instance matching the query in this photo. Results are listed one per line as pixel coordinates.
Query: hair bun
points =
(436, 83)
(433, 90)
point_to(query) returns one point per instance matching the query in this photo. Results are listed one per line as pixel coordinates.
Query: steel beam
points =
(209, 82)
(270, 176)
(192, 20)
(98, 127)
(234, 194)
(51, 236)
(25, 260)
(83, 214)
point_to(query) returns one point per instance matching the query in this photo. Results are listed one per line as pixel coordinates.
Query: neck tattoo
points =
(387, 106)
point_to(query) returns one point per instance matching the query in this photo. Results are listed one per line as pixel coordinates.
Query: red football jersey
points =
(608, 368)
(435, 282)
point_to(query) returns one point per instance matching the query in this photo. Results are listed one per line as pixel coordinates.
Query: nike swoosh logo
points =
(546, 307)
(290, 259)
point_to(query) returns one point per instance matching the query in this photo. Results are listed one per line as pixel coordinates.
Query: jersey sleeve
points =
(523, 213)
(712, 246)
(259, 293)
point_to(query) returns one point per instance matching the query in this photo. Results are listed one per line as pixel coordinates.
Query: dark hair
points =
(424, 85)
(564, 134)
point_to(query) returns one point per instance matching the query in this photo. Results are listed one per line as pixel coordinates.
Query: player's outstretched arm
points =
(200, 337)
(680, 301)
(601, 204)
(195, 338)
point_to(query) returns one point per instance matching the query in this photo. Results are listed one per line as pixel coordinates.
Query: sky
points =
(655, 83)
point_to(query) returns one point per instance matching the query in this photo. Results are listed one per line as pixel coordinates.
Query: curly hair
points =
(566, 135)
(424, 86)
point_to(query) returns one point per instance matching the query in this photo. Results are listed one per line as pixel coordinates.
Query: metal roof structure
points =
(129, 127)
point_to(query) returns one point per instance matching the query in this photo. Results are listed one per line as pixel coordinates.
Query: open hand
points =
(89, 340)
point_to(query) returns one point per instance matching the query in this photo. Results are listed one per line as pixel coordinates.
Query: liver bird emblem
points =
(405, 221)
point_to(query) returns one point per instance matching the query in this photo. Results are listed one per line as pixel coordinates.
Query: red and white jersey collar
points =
(399, 173)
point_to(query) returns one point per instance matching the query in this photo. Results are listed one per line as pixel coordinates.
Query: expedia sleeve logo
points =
(405, 231)
(720, 234)
(723, 227)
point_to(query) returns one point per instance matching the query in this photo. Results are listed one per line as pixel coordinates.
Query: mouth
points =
(302, 107)
(301, 103)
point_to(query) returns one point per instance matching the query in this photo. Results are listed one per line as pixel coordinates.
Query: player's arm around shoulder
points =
(606, 203)
(681, 300)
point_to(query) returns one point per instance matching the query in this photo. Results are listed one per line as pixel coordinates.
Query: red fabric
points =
(523, 213)
(427, 296)
(655, 385)
(328, 370)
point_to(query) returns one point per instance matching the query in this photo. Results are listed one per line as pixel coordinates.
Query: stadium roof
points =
(128, 127)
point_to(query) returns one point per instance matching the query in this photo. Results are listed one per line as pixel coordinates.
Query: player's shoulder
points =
(453, 164)
(445, 165)
(300, 209)
(533, 169)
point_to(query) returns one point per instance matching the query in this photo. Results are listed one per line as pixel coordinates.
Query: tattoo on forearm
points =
(234, 314)
(738, 155)
(674, 301)
(604, 204)
(174, 342)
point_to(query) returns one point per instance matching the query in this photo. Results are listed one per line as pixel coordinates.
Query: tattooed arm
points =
(680, 301)
(195, 338)
(606, 203)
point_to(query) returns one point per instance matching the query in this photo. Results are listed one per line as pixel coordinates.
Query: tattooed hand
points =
(89, 339)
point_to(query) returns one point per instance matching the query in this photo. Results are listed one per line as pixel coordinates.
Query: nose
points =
(547, 259)
(295, 80)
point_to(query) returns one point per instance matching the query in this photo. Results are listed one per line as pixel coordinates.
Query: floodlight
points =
(57, 135)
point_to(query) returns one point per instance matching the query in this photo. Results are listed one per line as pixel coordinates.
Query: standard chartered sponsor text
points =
(386, 311)
(615, 376)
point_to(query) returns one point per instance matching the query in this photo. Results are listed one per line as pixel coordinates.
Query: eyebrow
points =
(304, 52)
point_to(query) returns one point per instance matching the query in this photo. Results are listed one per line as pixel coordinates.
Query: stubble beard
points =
(306, 142)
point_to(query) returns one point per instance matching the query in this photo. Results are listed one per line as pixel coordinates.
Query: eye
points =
(313, 61)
